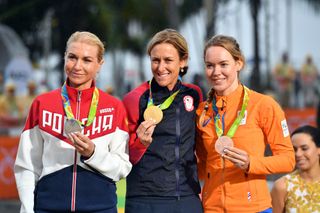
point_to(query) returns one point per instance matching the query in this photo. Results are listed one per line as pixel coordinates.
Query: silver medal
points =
(71, 126)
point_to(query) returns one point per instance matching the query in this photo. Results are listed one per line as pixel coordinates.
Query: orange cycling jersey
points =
(227, 188)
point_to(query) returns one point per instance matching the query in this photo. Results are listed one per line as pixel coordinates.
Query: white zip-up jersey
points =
(51, 175)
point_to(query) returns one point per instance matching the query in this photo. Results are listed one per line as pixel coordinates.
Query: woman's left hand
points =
(238, 157)
(82, 144)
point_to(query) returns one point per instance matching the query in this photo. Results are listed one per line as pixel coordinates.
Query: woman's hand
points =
(145, 131)
(238, 157)
(82, 144)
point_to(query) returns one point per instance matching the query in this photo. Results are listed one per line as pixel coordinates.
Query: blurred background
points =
(280, 40)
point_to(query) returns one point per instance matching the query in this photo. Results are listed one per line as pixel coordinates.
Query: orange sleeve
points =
(274, 126)
(201, 152)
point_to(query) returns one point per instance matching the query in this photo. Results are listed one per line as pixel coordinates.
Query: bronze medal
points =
(222, 142)
(71, 126)
(153, 113)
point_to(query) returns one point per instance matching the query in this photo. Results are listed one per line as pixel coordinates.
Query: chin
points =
(162, 83)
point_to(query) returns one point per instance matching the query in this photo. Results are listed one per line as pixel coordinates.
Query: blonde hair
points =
(174, 38)
(88, 38)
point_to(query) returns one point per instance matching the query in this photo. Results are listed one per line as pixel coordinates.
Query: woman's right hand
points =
(145, 131)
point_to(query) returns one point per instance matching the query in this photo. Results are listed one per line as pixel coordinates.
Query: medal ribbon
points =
(235, 125)
(166, 103)
(67, 106)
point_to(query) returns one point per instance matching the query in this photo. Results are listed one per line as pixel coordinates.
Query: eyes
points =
(303, 148)
(222, 65)
(74, 58)
(158, 60)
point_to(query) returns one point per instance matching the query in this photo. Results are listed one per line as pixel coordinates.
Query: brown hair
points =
(231, 45)
(174, 38)
(88, 38)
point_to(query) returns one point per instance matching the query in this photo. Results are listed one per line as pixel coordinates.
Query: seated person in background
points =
(299, 191)
(11, 111)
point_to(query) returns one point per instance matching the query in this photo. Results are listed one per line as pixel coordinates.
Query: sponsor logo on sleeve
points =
(285, 129)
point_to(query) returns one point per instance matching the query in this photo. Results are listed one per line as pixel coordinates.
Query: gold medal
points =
(71, 126)
(153, 113)
(222, 142)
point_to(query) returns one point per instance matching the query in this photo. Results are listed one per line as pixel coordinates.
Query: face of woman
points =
(306, 151)
(81, 64)
(221, 70)
(166, 64)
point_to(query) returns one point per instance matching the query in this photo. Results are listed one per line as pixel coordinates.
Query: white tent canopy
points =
(15, 65)
(10, 46)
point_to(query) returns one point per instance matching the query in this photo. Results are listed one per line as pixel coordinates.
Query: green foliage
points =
(109, 19)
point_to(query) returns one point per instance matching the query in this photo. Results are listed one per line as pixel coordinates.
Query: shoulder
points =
(136, 93)
(195, 88)
(280, 184)
(279, 187)
(49, 95)
(264, 100)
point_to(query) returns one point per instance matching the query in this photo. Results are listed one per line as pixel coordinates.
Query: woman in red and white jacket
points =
(73, 146)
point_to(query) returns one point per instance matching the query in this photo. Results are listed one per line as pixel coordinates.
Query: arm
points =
(279, 194)
(136, 148)
(201, 152)
(28, 164)
(110, 156)
(273, 124)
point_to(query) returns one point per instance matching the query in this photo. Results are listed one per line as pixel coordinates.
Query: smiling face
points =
(81, 64)
(221, 70)
(166, 64)
(306, 151)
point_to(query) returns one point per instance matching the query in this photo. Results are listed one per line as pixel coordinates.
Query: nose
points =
(78, 64)
(214, 71)
(162, 66)
(298, 152)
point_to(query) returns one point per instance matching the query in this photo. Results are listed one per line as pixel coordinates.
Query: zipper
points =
(177, 153)
(74, 171)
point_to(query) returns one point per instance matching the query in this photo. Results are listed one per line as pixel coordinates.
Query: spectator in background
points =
(284, 76)
(299, 191)
(309, 76)
(11, 110)
(26, 101)
(199, 81)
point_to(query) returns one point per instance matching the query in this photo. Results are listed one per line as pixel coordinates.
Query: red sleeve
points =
(197, 88)
(131, 102)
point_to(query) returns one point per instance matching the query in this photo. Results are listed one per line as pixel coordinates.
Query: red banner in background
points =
(8, 151)
(300, 117)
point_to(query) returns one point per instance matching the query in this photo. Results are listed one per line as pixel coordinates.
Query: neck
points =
(313, 174)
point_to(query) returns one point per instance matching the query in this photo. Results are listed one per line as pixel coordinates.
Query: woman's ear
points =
(239, 64)
(101, 62)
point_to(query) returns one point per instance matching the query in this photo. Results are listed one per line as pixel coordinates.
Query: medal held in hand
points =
(222, 143)
(153, 113)
(71, 126)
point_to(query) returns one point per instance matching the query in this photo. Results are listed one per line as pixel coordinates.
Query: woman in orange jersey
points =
(234, 126)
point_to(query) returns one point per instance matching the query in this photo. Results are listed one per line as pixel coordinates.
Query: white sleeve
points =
(28, 167)
(111, 156)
